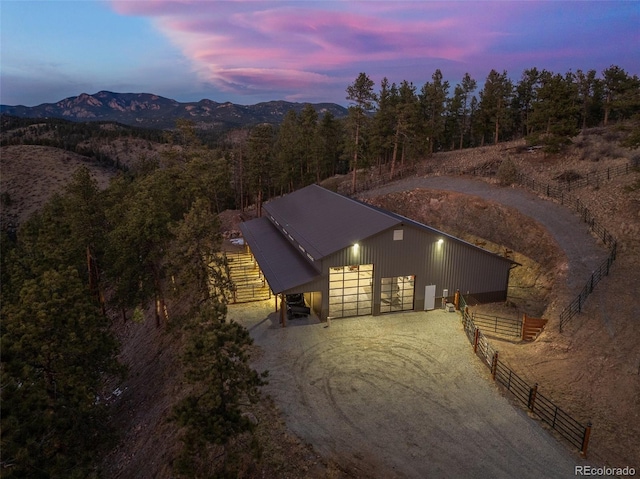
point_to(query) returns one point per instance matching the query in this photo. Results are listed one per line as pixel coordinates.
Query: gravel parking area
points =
(398, 395)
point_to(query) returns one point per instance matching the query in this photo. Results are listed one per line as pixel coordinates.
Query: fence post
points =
(585, 440)
(524, 322)
(532, 396)
(494, 365)
(475, 340)
(456, 300)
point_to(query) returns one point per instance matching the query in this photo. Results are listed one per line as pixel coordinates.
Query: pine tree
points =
(495, 99)
(216, 359)
(330, 135)
(462, 92)
(260, 163)
(405, 120)
(308, 137)
(361, 94)
(433, 97)
(286, 153)
(56, 349)
(384, 121)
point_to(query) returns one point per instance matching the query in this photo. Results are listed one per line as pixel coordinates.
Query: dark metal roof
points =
(323, 222)
(283, 266)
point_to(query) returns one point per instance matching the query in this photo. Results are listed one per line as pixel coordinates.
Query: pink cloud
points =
(243, 46)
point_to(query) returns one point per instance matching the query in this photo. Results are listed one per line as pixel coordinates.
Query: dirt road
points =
(400, 396)
(583, 253)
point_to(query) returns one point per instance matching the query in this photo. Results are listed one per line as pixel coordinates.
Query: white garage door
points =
(350, 290)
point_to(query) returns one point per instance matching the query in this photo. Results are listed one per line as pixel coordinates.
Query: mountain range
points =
(153, 111)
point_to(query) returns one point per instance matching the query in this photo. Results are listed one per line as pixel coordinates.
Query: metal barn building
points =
(351, 259)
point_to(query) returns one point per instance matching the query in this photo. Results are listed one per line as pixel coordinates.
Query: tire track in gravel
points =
(402, 396)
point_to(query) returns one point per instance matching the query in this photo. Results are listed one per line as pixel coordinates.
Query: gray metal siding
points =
(455, 266)
(451, 265)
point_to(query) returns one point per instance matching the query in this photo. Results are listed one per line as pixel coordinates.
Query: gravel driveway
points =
(581, 248)
(399, 395)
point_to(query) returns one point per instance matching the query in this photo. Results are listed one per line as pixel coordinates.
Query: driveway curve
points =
(583, 253)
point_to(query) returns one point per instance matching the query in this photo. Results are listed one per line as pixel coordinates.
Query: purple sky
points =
(252, 51)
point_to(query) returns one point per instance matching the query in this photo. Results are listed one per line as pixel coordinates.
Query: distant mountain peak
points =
(154, 111)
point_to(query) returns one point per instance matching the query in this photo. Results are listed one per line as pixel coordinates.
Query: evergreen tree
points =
(586, 86)
(433, 97)
(216, 359)
(405, 120)
(555, 111)
(462, 96)
(384, 122)
(138, 238)
(308, 137)
(361, 94)
(287, 153)
(495, 99)
(526, 95)
(195, 264)
(621, 94)
(56, 349)
(259, 163)
(330, 135)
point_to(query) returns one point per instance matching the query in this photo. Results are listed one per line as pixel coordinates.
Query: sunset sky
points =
(252, 51)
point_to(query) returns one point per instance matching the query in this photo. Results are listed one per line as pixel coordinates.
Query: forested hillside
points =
(92, 257)
(391, 128)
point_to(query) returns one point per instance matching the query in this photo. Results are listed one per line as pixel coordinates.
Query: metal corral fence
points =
(373, 179)
(570, 201)
(570, 429)
(596, 177)
(600, 231)
(562, 193)
(498, 325)
(575, 306)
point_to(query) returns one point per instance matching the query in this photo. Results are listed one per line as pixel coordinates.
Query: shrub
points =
(607, 150)
(507, 172)
(5, 198)
(568, 176)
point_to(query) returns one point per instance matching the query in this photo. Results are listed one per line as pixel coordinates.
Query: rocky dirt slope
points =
(32, 174)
